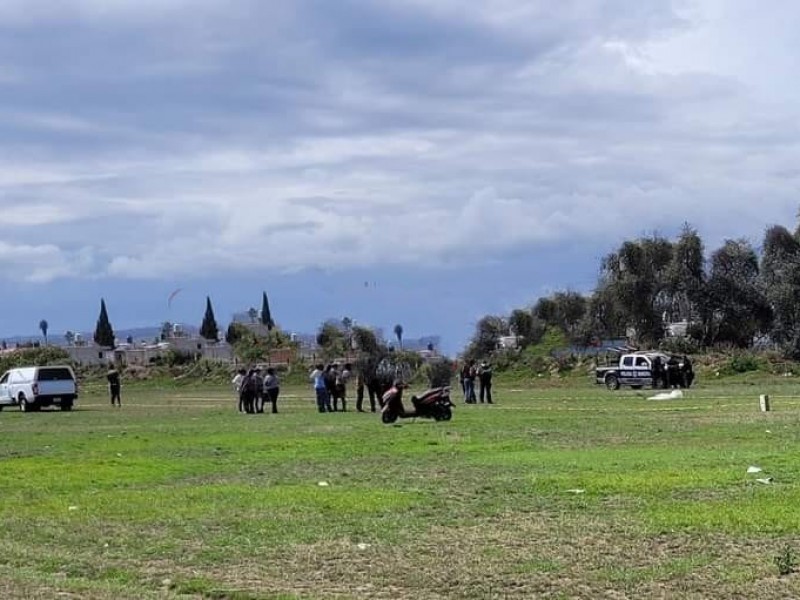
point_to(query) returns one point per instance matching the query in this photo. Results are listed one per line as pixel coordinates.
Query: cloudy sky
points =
(413, 161)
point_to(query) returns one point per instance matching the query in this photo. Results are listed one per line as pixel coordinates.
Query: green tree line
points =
(734, 297)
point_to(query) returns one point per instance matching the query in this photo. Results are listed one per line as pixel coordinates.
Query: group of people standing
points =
(469, 374)
(331, 381)
(330, 386)
(255, 390)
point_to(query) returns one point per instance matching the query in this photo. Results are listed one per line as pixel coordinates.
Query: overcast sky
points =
(461, 157)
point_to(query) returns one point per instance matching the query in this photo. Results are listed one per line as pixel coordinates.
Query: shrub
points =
(785, 560)
(38, 357)
(439, 373)
(680, 345)
(174, 358)
(744, 362)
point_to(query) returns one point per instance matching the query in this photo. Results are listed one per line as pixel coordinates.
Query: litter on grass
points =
(754, 469)
(576, 491)
(673, 395)
(765, 480)
(323, 484)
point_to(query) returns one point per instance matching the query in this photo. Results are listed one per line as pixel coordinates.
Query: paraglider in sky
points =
(172, 296)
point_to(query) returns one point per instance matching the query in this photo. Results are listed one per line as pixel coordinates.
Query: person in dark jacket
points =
(674, 375)
(272, 389)
(249, 392)
(331, 376)
(360, 393)
(688, 372)
(485, 381)
(114, 386)
(659, 373)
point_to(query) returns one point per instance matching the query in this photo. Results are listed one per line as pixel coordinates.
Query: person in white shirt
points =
(236, 382)
(321, 390)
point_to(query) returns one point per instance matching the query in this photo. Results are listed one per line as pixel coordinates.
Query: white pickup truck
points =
(32, 388)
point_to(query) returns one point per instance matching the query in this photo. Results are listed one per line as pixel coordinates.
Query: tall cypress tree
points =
(266, 315)
(103, 333)
(209, 329)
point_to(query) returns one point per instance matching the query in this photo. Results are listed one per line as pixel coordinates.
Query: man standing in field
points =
(247, 394)
(360, 392)
(236, 382)
(114, 386)
(485, 381)
(469, 373)
(320, 389)
(258, 386)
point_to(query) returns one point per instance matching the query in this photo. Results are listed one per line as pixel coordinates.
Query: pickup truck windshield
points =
(54, 374)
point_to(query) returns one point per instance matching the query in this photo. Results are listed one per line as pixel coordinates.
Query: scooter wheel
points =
(388, 417)
(446, 414)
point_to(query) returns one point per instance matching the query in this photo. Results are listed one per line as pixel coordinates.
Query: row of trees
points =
(736, 297)
(209, 329)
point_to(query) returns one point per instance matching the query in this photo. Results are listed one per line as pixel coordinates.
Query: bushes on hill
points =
(26, 357)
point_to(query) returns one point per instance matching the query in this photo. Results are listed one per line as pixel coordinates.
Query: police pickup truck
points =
(649, 368)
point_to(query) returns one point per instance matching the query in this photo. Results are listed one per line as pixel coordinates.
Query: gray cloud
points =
(154, 139)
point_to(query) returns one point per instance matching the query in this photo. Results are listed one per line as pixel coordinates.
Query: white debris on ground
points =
(673, 395)
(576, 491)
(752, 470)
(323, 484)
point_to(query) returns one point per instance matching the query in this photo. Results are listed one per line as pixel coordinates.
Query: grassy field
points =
(554, 492)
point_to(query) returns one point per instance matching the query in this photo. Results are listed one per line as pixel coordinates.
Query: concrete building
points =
(90, 354)
(143, 354)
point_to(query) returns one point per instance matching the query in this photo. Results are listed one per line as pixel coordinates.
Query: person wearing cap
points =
(485, 382)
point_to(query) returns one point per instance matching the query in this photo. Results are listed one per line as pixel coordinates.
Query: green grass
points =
(178, 496)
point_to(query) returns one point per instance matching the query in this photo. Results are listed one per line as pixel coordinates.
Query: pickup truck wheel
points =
(65, 406)
(24, 406)
(612, 382)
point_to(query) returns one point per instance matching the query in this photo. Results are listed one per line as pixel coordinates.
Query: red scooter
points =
(431, 404)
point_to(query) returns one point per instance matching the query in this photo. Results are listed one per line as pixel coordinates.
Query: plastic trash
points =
(754, 469)
(673, 395)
